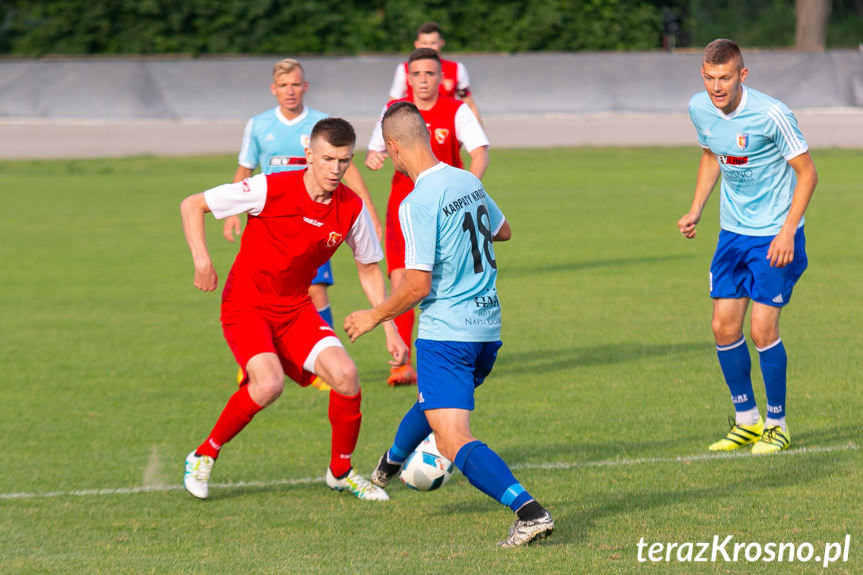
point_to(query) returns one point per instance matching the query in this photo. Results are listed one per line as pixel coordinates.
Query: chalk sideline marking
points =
(517, 466)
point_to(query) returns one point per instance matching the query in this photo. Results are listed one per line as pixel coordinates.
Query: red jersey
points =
(288, 237)
(440, 120)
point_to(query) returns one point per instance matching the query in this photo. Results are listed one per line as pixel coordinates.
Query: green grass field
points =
(604, 398)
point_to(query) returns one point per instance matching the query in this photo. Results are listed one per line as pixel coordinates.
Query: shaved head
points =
(404, 124)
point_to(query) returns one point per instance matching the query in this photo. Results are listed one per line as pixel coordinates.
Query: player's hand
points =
(375, 160)
(396, 345)
(232, 228)
(781, 250)
(206, 278)
(358, 323)
(686, 225)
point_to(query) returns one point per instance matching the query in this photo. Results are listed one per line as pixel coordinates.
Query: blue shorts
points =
(448, 372)
(740, 268)
(325, 275)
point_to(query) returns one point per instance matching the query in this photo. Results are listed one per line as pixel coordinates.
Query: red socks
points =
(237, 414)
(345, 418)
(405, 326)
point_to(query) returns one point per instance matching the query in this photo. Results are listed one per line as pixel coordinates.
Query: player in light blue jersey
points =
(450, 225)
(768, 178)
(276, 141)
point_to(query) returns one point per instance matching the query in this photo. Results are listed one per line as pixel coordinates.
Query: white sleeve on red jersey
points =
(363, 240)
(376, 141)
(399, 89)
(248, 196)
(462, 83)
(468, 130)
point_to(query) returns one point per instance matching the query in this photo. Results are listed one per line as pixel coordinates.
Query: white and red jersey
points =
(451, 125)
(289, 236)
(454, 83)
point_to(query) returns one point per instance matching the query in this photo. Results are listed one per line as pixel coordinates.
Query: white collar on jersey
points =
(739, 107)
(296, 120)
(435, 168)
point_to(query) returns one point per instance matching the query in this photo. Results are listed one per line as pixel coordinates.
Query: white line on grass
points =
(517, 466)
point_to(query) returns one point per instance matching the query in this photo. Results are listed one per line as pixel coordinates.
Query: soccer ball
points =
(426, 469)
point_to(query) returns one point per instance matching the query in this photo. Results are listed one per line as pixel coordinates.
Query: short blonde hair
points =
(286, 66)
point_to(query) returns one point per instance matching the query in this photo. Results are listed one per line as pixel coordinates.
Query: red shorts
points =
(250, 331)
(394, 241)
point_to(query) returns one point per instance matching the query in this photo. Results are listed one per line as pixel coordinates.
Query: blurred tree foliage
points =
(38, 27)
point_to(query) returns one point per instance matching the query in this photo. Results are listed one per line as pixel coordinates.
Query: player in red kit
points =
(452, 125)
(296, 221)
(455, 82)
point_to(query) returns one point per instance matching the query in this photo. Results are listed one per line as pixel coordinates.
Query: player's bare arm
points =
(193, 210)
(232, 226)
(504, 233)
(479, 161)
(708, 175)
(781, 250)
(354, 180)
(372, 281)
(412, 290)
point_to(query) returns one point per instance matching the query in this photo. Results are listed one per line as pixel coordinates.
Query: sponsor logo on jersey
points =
(315, 223)
(282, 161)
(334, 239)
(440, 135)
(486, 301)
(742, 140)
(732, 160)
(269, 137)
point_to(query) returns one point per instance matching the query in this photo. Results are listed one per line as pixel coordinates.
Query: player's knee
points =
(725, 332)
(764, 335)
(267, 388)
(345, 379)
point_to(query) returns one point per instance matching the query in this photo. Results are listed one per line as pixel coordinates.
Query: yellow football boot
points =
(773, 440)
(739, 435)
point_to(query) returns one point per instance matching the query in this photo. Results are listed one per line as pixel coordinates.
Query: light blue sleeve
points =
(495, 216)
(249, 150)
(694, 116)
(419, 228)
(784, 131)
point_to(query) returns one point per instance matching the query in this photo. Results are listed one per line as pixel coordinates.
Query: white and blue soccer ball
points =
(426, 469)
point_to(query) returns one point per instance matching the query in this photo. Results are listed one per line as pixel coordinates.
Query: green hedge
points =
(38, 27)
(321, 26)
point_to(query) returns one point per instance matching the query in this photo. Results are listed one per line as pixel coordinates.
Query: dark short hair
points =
(429, 28)
(400, 108)
(410, 123)
(722, 51)
(337, 132)
(424, 54)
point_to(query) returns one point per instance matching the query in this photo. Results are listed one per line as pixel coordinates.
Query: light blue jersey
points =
(275, 143)
(448, 222)
(753, 145)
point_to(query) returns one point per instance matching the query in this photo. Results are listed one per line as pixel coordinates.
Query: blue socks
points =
(736, 367)
(487, 472)
(774, 363)
(412, 430)
(327, 314)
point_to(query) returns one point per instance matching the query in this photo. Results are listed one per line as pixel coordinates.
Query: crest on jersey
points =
(305, 140)
(448, 84)
(334, 239)
(742, 140)
(440, 135)
(246, 186)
